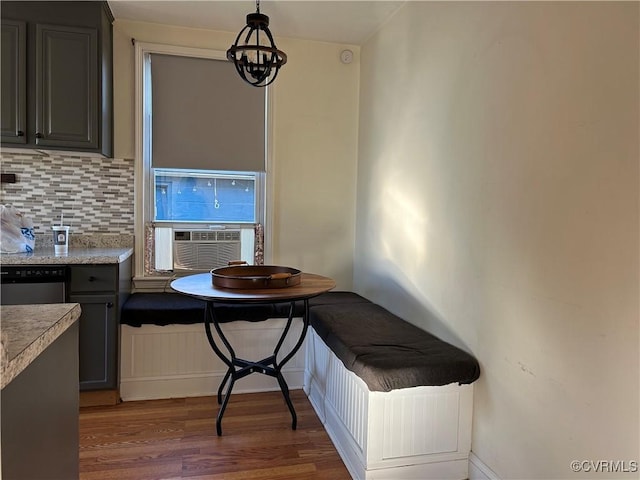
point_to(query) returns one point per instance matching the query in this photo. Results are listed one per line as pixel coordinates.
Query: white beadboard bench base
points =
(176, 361)
(410, 433)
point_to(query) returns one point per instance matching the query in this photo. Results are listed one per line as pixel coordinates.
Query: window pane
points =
(204, 197)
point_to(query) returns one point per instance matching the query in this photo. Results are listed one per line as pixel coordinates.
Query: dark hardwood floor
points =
(176, 439)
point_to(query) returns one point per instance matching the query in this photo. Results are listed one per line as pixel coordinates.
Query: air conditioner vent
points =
(202, 250)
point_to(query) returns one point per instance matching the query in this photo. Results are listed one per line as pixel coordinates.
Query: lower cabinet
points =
(39, 429)
(98, 341)
(100, 290)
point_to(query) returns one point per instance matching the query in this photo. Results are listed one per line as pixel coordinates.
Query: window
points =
(201, 162)
(204, 196)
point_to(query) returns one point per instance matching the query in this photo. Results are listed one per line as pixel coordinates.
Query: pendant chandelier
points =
(254, 53)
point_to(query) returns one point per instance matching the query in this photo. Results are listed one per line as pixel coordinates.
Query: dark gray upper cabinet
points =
(66, 82)
(69, 79)
(13, 98)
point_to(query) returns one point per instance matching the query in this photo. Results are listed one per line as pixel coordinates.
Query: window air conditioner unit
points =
(202, 250)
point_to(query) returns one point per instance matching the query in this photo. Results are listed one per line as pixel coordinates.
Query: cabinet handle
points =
(109, 304)
(38, 135)
(92, 278)
(20, 133)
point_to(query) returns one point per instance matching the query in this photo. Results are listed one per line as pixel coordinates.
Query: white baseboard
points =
(154, 388)
(478, 470)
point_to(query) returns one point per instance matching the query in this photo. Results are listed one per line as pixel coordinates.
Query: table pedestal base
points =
(239, 368)
(266, 366)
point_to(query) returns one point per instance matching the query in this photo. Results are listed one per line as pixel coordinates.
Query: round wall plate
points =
(346, 56)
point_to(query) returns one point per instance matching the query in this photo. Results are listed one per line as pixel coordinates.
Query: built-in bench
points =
(395, 400)
(164, 352)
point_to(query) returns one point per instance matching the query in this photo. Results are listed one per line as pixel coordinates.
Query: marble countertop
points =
(27, 330)
(76, 255)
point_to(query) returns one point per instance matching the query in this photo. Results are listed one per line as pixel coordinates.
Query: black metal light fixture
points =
(257, 59)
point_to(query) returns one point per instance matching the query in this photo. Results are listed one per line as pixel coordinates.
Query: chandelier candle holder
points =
(254, 53)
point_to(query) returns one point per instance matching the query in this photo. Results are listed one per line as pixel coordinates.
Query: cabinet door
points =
(98, 341)
(66, 86)
(13, 96)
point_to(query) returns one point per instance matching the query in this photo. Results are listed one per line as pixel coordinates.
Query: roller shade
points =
(204, 116)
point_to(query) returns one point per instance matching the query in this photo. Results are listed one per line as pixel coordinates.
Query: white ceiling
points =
(338, 21)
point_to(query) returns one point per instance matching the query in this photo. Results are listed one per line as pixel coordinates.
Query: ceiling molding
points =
(343, 22)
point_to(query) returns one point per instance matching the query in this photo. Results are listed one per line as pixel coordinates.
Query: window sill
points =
(153, 284)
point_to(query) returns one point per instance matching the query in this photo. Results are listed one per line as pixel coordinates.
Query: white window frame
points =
(143, 207)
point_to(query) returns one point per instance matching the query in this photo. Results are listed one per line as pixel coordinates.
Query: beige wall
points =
(498, 207)
(314, 142)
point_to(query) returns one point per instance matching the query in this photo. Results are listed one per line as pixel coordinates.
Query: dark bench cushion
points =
(173, 308)
(337, 298)
(387, 352)
(161, 309)
(381, 348)
(166, 308)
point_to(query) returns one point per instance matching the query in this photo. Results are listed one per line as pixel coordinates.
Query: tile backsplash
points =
(95, 194)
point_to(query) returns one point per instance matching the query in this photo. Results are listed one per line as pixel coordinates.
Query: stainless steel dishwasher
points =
(23, 285)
